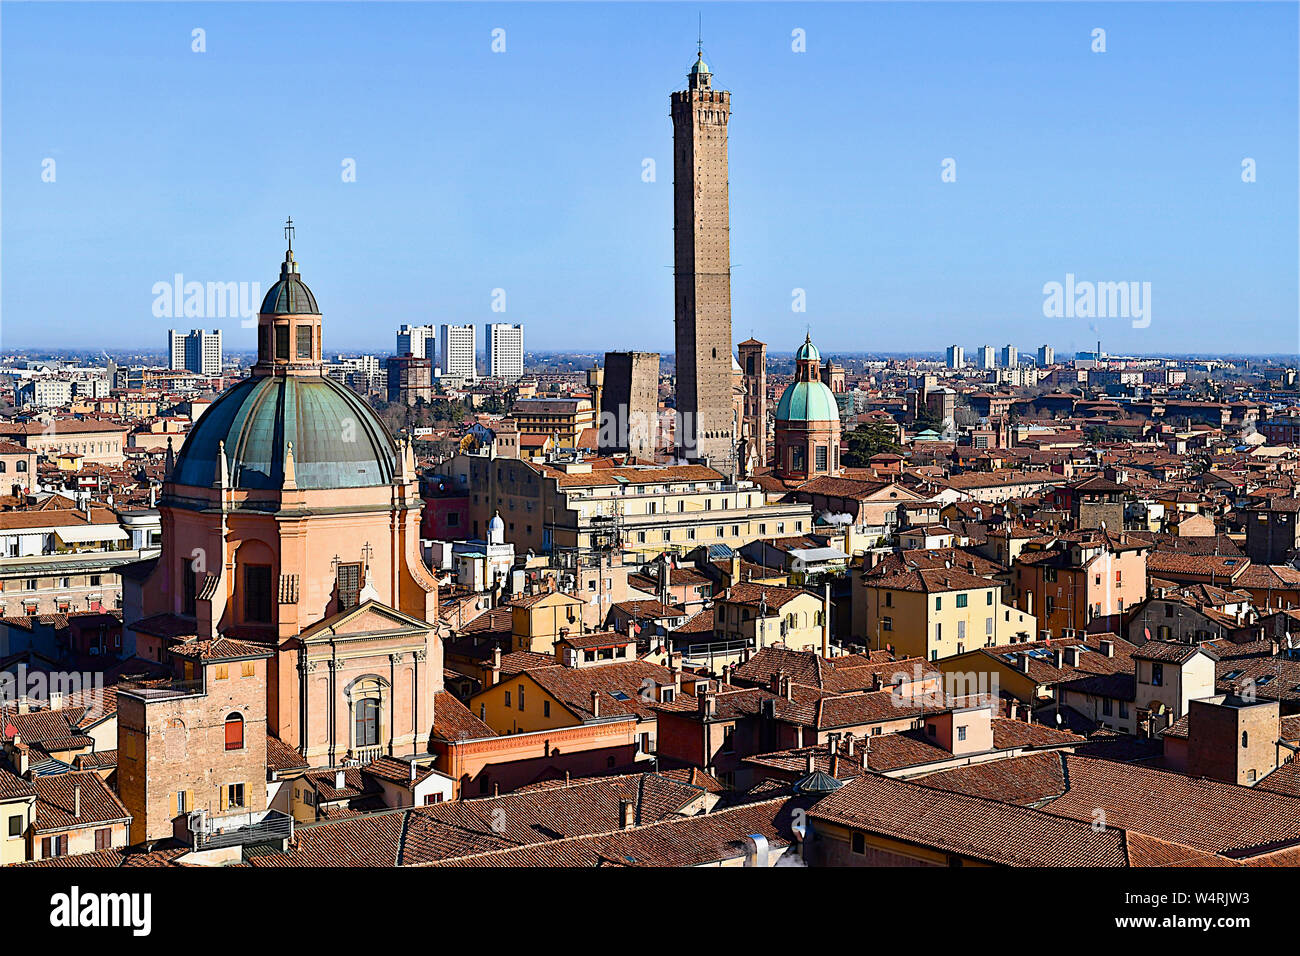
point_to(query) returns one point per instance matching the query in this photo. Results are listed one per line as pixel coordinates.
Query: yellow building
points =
(539, 620)
(760, 615)
(935, 612)
(17, 815)
(546, 698)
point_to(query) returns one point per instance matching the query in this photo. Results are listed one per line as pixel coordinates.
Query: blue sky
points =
(522, 170)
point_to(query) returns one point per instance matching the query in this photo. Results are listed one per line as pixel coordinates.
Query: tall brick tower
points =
(702, 269)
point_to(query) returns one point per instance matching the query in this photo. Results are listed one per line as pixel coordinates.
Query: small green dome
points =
(700, 66)
(807, 352)
(338, 442)
(807, 402)
(289, 297)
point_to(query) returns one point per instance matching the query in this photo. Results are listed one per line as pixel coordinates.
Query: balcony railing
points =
(239, 829)
(365, 755)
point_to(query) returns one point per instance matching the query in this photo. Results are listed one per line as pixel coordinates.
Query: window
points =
(859, 843)
(938, 604)
(507, 698)
(1157, 674)
(235, 731)
(819, 458)
(221, 672)
(1107, 708)
(304, 341)
(247, 669)
(961, 733)
(234, 795)
(54, 846)
(546, 708)
(961, 600)
(521, 696)
(1245, 739)
(367, 722)
(348, 581)
(16, 825)
(190, 589)
(257, 593)
(104, 838)
(182, 802)
(1123, 710)
(95, 580)
(988, 597)
(282, 342)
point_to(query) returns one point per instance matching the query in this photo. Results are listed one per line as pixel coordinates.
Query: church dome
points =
(807, 402)
(338, 441)
(289, 296)
(807, 352)
(700, 66)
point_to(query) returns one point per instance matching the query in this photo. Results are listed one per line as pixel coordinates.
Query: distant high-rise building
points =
(956, 356)
(1010, 356)
(456, 351)
(629, 403)
(196, 351)
(986, 357)
(505, 351)
(417, 340)
(702, 269)
(1046, 356)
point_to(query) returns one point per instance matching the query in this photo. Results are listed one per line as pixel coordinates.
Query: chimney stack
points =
(809, 763)
(626, 814)
(595, 703)
(340, 779)
(76, 801)
(1108, 648)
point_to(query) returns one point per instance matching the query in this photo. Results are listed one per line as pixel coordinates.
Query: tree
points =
(867, 440)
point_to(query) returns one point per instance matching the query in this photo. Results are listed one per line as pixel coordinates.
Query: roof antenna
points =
(699, 40)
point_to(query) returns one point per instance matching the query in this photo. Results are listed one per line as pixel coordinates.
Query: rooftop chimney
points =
(340, 779)
(626, 814)
(595, 703)
(809, 763)
(76, 801)
(1107, 648)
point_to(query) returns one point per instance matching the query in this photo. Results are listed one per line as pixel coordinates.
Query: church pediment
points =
(371, 617)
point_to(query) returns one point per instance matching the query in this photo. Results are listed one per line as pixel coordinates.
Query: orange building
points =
(289, 507)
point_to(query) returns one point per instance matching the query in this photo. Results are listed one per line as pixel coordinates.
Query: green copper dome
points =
(807, 402)
(289, 296)
(700, 66)
(807, 352)
(338, 442)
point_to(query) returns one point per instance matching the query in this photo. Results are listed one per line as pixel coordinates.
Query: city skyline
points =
(845, 203)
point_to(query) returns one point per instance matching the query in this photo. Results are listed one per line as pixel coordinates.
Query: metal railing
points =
(240, 829)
